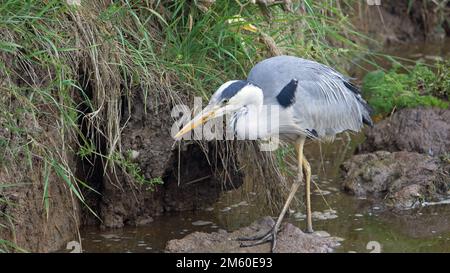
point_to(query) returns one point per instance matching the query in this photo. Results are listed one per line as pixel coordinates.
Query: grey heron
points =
(313, 101)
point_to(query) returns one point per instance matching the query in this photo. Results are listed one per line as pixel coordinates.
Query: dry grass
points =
(62, 66)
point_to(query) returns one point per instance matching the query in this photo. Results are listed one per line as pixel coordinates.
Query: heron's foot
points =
(309, 231)
(270, 236)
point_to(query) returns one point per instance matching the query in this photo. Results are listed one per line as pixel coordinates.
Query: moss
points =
(421, 86)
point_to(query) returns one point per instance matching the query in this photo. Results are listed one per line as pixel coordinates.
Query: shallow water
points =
(358, 221)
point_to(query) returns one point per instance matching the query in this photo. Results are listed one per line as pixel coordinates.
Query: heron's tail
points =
(367, 110)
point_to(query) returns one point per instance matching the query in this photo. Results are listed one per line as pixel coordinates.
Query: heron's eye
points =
(225, 101)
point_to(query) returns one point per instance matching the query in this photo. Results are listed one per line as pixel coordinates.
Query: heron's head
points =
(229, 98)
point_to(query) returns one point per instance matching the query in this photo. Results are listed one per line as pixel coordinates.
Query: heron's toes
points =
(270, 236)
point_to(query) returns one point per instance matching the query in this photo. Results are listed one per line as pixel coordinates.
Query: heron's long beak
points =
(206, 114)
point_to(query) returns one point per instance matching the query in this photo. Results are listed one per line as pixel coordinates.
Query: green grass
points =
(420, 86)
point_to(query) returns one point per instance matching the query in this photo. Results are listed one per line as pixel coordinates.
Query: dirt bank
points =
(394, 22)
(25, 188)
(422, 130)
(123, 201)
(290, 240)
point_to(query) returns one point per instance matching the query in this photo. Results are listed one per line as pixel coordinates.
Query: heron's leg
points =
(271, 235)
(307, 170)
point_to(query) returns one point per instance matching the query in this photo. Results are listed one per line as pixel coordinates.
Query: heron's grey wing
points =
(326, 103)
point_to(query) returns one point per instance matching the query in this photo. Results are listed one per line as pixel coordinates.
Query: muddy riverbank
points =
(60, 156)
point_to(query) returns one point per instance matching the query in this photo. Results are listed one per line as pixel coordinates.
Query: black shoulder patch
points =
(313, 133)
(232, 89)
(352, 87)
(287, 95)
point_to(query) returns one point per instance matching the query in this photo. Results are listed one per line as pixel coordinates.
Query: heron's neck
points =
(255, 122)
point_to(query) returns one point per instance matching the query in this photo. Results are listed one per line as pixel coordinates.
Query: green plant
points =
(420, 86)
(133, 170)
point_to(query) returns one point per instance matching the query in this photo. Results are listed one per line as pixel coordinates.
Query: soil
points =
(23, 219)
(124, 202)
(394, 22)
(422, 130)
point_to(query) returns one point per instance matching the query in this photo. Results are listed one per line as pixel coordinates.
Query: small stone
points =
(209, 209)
(201, 223)
(322, 192)
(359, 215)
(109, 236)
(134, 154)
(243, 203)
(322, 233)
(299, 215)
(225, 209)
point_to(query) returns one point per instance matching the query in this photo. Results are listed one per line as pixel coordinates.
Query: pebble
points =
(359, 215)
(225, 209)
(243, 203)
(358, 229)
(109, 236)
(322, 233)
(299, 215)
(209, 209)
(322, 192)
(201, 223)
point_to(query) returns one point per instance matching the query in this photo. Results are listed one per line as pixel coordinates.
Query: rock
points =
(201, 223)
(290, 239)
(421, 130)
(225, 209)
(142, 221)
(399, 179)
